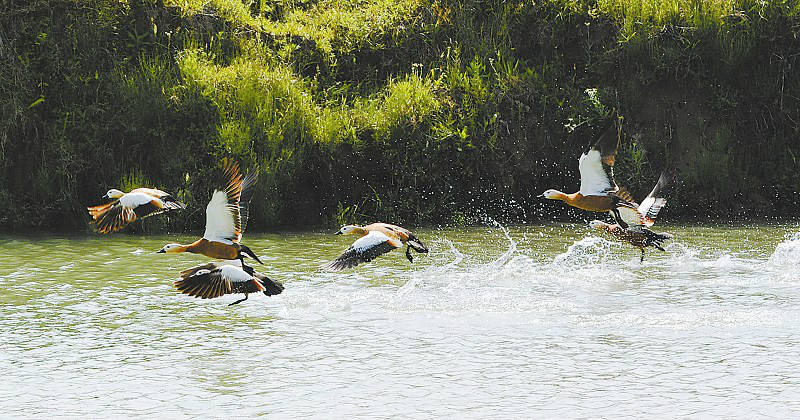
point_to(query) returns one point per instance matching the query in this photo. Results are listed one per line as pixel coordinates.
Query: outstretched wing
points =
(364, 249)
(248, 188)
(271, 287)
(111, 217)
(215, 280)
(596, 164)
(223, 220)
(653, 203)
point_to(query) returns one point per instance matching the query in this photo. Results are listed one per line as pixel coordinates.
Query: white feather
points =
(594, 180)
(234, 274)
(370, 240)
(201, 272)
(220, 226)
(133, 200)
(630, 216)
(648, 202)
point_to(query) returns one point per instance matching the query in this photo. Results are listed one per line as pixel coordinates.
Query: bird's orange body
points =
(598, 203)
(212, 249)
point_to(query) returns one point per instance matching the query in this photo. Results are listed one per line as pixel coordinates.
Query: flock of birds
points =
(226, 219)
(227, 213)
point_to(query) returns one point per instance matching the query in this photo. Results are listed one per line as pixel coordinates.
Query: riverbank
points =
(413, 111)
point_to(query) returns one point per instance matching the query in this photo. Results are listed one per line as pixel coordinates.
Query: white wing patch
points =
(631, 216)
(133, 200)
(651, 206)
(594, 180)
(220, 226)
(648, 202)
(370, 240)
(201, 272)
(234, 274)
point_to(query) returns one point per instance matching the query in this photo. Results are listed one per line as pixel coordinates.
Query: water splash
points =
(589, 251)
(787, 253)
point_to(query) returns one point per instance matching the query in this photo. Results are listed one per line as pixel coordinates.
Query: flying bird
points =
(128, 207)
(217, 279)
(599, 191)
(637, 233)
(375, 240)
(226, 218)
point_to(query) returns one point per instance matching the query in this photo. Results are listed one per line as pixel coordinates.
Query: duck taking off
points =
(128, 207)
(226, 218)
(376, 239)
(637, 233)
(645, 214)
(638, 236)
(217, 279)
(598, 191)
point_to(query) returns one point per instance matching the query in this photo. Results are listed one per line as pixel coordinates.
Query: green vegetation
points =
(413, 111)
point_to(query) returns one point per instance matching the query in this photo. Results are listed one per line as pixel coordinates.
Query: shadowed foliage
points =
(414, 111)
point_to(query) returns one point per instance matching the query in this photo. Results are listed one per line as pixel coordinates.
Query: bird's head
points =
(349, 230)
(170, 249)
(596, 224)
(552, 195)
(114, 193)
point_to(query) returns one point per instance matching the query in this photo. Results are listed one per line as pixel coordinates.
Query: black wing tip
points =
(178, 205)
(666, 178)
(271, 287)
(606, 140)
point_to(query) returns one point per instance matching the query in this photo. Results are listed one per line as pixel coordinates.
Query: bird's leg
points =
(408, 254)
(642, 259)
(240, 300)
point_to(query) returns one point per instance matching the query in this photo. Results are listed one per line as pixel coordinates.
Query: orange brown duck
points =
(128, 207)
(599, 191)
(226, 218)
(638, 235)
(375, 239)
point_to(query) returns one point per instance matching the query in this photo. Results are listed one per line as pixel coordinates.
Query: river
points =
(542, 322)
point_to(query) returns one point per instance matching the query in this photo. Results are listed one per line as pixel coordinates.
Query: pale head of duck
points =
(171, 249)
(553, 195)
(596, 224)
(114, 193)
(350, 230)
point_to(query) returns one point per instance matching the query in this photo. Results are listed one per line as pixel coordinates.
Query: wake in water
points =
(504, 272)
(510, 280)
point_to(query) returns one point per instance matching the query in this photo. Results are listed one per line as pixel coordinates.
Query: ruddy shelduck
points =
(226, 218)
(376, 239)
(599, 191)
(638, 236)
(128, 207)
(226, 277)
(637, 232)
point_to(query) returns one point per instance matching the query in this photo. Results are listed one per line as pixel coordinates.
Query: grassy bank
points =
(414, 111)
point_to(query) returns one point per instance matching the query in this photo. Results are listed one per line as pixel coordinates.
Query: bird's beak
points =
(105, 196)
(161, 251)
(540, 195)
(338, 232)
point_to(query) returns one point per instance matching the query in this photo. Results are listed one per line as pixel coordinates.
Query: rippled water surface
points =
(529, 322)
